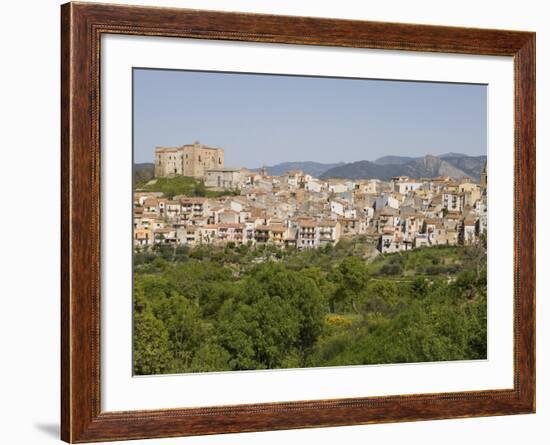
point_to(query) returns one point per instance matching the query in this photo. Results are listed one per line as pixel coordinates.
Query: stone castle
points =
(188, 160)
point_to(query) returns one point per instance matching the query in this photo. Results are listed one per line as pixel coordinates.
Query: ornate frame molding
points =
(82, 25)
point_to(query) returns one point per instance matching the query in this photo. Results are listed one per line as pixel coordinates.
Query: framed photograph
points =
(274, 222)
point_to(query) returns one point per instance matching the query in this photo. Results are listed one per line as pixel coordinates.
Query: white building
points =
(453, 202)
(226, 178)
(313, 186)
(405, 187)
(386, 200)
(337, 207)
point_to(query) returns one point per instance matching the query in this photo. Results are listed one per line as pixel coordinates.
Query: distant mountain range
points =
(455, 165)
(143, 172)
(394, 160)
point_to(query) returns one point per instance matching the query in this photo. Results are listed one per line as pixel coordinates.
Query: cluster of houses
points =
(301, 211)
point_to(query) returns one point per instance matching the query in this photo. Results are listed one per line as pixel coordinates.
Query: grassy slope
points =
(181, 185)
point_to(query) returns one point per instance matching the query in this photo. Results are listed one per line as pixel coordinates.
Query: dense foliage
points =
(235, 308)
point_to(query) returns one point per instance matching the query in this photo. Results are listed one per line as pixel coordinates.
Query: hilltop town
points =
(298, 210)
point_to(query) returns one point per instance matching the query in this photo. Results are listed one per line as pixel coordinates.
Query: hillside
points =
(181, 185)
(422, 305)
(365, 169)
(315, 169)
(472, 165)
(393, 160)
(432, 166)
(452, 155)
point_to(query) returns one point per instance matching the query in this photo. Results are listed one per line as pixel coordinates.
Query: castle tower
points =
(188, 160)
(483, 178)
(167, 162)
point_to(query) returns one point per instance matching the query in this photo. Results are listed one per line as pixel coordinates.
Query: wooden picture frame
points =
(82, 26)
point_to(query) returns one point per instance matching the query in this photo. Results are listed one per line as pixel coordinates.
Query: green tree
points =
(276, 318)
(151, 354)
(380, 298)
(184, 326)
(351, 277)
(237, 327)
(301, 292)
(210, 357)
(419, 287)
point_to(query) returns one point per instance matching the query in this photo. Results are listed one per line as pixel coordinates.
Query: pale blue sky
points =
(268, 119)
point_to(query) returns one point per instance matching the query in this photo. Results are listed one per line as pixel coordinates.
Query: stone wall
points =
(188, 160)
